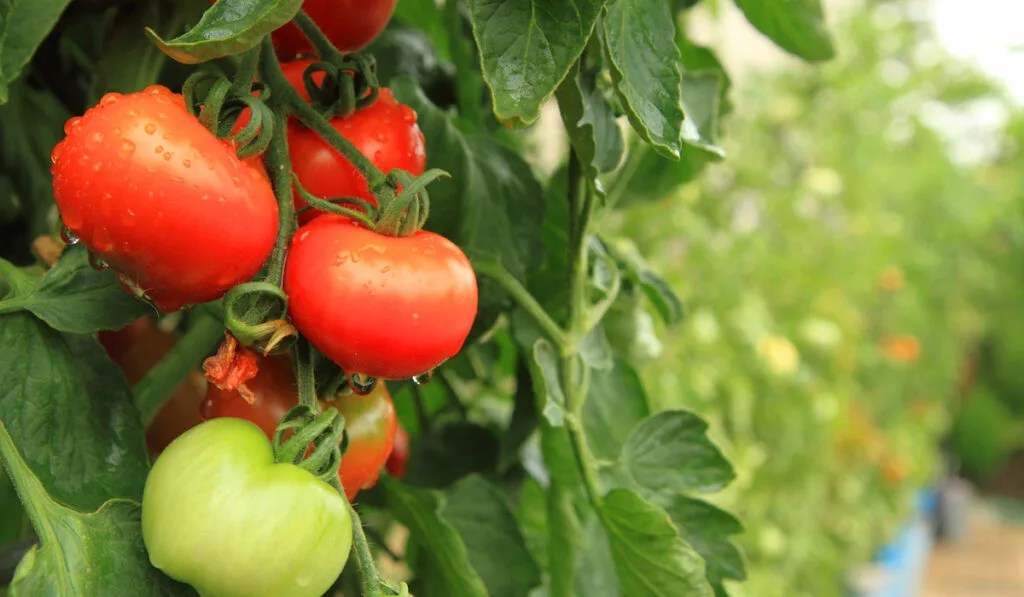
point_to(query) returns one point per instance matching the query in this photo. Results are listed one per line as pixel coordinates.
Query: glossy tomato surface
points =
(137, 348)
(221, 515)
(369, 420)
(386, 307)
(385, 132)
(349, 24)
(160, 199)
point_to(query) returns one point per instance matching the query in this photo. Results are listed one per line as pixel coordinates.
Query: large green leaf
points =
(23, 26)
(527, 47)
(228, 27)
(70, 413)
(443, 550)
(81, 552)
(590, 122)
(671, 451)
(707, 528)
(73, 297)
(640, 41)
(481, 514)
(651, 559)
(616, 403)
(797, 26)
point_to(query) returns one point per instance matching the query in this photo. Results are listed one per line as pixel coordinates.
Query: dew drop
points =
(167, 156)
(423, 378)
(69, 237)
(385, 269)
(55, 154)
(381, 137)
(408, 115)
(96, 139)
(110, 98)
(150, 128)
(126, 149)
(97, 263)
(154, 89)
(158, 149)
(186, 163)
(361, 384)
(72, 124)
(236, 180)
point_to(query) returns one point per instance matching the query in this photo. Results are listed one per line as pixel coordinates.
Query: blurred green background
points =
(853, 280)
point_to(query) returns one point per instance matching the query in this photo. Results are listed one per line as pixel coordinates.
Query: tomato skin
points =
(154, 194)
(387, 307)
(370, 420)
(399, 458)
(221, 515)
(137, 348)
(386, 132)
(349, 24)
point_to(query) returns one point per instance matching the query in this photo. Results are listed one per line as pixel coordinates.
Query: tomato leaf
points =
(595, 568)
(81, 553)
(590, 122)
(651, 559)
(228, 27)
(23, 26)
(73, 297)
(451, 451)
(640, 43)
(638, 272)
(616, 403)
(70, 414)
(707, 528)
(527, 47)
(481, 514)
(420, 510)
(671, 451)
(797, 26)
(595, 350)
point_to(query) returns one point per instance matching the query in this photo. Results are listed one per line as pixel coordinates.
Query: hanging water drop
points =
(361, 384)
(423, 378)
(69, 238)
(97, 263)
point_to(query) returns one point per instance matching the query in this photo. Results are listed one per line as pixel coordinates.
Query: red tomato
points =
(350, 25)
(386, 307)
(137, 348)
(385, 132)
(399, 454)
(369, 420)
(168, 205)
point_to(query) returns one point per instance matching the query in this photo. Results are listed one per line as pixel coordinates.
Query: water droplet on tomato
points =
(162, 116)
(97, 263)
(69, 237)
(150, 128)
(126, 149)
(408, 115)
(158, 149)
(110, 98)
(133, 113)
(95, 140)
(186, 163)
(423, 378)
(361, 384)
(380, 136)
(385, 269)
(167, 156)
(96, 167)
(72, 124)
(154, 89)
(55, 154)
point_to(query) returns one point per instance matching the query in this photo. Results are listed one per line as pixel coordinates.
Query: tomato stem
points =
(369, 577)
(323, 46)
(279, 166)
(202, 337)
(304, 374)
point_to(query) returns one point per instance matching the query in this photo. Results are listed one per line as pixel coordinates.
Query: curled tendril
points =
(406, 213)
(344, 87)
(316, 442)
(218, 104)
(255, 313)
(361, 210)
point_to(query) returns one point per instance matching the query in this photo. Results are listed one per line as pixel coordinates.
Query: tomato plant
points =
(217, 490)
(369, 419)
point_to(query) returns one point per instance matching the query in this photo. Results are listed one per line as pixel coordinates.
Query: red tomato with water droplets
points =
(150, 191)
(385, 132)
(349, 24)
(386, 307)
(369, 420)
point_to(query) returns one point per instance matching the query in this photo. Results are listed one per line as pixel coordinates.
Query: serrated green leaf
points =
(75, 298)
(640, 42)
(527, 47)
(651, 559)
(590, 122)
(228, 27)
(81, 553)
(670, 450)
(420, 510)
(797, 26)
(70, 414)
(616, 403)
(707, 528)
(24, 24)
(481, 514)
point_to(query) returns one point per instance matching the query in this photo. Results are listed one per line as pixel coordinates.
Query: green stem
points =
(246, 72)
(323, 46)
(494, 270)
(290, 98)
(153, 390)
(368, 575)
(626, 173)
(304, 374)
(279, 164)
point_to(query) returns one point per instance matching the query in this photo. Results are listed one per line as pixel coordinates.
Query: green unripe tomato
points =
(221, 515)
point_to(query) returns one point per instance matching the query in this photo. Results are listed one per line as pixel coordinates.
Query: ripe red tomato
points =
(369, 420)
(385, 132)
(137, 348)
(399, 454)
(386, 307)
(160, 199)
(350, 25)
